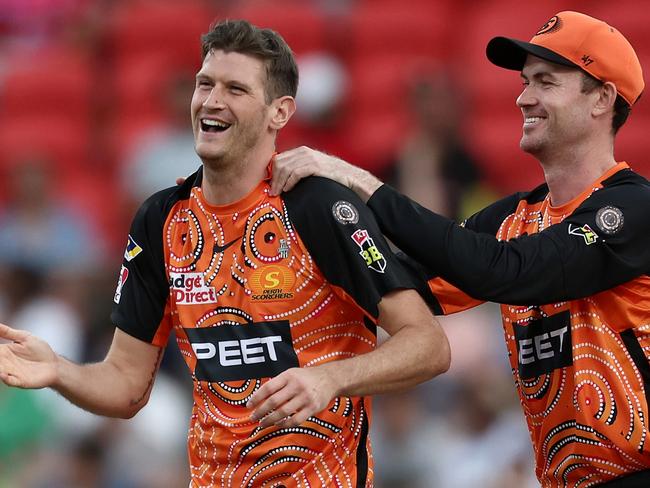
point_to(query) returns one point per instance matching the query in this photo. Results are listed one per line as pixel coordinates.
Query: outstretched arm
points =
(119, 386)
(417, 351)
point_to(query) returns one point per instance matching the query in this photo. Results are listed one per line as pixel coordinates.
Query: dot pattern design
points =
(588, 420)
(228, 449)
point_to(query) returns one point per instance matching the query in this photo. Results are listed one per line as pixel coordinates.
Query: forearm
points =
(362, 182)
(411, 356)
(100, 388)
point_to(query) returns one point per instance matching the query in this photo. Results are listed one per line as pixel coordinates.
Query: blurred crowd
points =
(94, 117)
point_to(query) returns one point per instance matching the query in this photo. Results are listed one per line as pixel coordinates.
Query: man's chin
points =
(529, 146)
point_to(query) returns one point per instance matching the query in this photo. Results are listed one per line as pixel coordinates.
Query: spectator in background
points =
(166, 150)
(37, 231)
(434, 167)
(320, 120)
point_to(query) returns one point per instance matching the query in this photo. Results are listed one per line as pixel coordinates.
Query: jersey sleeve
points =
(342, 236)
(141, 298)
(442, 297)
(581, 256)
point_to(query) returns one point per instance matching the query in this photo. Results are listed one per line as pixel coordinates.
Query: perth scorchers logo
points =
(190, 289)
(273, 282)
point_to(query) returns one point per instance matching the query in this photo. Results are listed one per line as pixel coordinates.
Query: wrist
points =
(364, 184)
(58, 371)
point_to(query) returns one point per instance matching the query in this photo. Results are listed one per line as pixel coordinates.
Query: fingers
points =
(282, 413)
(10, 380)
(266, 391)
(10, 334)
(291, 166)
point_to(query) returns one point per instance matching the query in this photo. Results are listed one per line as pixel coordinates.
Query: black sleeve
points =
(574, 259)
(342, 236)
(490, 218)
(142, 289)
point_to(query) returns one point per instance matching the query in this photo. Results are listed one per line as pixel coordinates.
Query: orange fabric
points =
(575, 429)
(226, 448)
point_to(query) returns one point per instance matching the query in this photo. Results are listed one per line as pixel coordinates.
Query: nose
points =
(214, 100)
(527, 97)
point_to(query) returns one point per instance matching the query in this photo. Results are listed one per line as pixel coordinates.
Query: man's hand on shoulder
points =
(291, 166)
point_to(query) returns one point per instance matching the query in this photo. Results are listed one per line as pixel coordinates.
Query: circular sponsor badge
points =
(609, 219)
(345, 213)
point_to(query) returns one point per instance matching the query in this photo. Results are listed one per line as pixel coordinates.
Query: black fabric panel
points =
(362, 451)
(332, 246)
(636, 480)
(490, 218)
(146, 289)
(421, 276)
(554, 265)
(640, 360)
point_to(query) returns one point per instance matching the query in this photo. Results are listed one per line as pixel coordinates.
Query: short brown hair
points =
(241, 36)
(621, 108)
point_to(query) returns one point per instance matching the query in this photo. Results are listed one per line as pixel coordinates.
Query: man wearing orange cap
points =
(569, 260)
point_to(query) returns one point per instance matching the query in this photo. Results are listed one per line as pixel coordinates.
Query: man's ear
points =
(282, 110)
(606, 99)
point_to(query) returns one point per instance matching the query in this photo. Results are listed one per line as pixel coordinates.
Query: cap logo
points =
(551, 26)
(586, 60)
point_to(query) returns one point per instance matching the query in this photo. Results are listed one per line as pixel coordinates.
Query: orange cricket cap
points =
(577, 40)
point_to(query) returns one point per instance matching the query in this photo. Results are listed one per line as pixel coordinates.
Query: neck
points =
(569, 174)
(228, 182)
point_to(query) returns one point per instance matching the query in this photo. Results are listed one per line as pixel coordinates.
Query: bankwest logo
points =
(190, 289)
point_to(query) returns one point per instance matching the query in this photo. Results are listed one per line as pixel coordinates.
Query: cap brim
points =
(511, 53)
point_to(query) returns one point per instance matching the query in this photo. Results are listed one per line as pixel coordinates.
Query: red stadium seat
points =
(49, 82)
(394, 29)
(54, 139)
(169, 29)
(495, 142)
(301, 24)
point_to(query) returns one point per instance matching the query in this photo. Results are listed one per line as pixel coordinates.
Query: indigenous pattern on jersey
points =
(252, 289)
(578, 334)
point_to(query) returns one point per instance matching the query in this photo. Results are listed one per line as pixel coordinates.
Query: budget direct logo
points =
(190, 289)
(274, 282)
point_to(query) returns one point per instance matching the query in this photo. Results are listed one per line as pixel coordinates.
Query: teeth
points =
(531, 120)
(215, 123)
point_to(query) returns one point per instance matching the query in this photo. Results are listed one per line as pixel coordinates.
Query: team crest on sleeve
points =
(369, 252)
(124, 274)
(132, 249)
(585, 232)
(345, 213)
(609, 219)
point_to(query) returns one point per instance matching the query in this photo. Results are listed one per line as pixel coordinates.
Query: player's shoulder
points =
(625, 188)
(315, 193)
(319, 189)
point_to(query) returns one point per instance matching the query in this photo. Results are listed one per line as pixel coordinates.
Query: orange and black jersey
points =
(252, 289)
(576, 292)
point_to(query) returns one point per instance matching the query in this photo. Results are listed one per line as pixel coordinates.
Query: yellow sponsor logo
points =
(273, 282)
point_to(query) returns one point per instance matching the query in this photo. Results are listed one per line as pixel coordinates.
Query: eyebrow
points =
(204, 76)
(538, 75)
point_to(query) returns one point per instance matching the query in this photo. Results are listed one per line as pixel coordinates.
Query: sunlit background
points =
(94, 117)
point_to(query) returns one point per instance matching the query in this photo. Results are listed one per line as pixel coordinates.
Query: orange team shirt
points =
(252, 289)
(577, 327)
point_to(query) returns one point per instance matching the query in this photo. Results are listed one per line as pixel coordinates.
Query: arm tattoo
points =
(151, 380)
